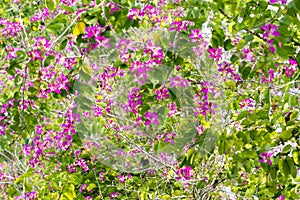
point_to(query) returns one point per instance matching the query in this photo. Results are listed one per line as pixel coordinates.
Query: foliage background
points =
(89, 91)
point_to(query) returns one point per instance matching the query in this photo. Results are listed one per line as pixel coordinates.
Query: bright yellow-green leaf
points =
(296, 157)
(79, 29)
(87, 69)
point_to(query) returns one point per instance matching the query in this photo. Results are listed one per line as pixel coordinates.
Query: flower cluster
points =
(151, 118)
(229, 69)
(204, 105)
(178, 81)
(11, 29)
(134, 100)
(162, 93)
(270, 30)
(28, 196)
(184, 173)
(292, 68)
(173, 109)
(215, 53)
(140, 71)
(201, 45)
(170, 137)
(40, 16)
(94, 32)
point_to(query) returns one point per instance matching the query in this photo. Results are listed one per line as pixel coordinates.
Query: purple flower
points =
(140, 71)
(265, 157)
(215, 53)
(133, 13)
(275, 1)
(248, 54)
(113, 195)
(184, 173)
(246, 103)
(161, 93)
(151, 118)
(196, 35)
(179, 26)
(113, 7)
(270, 29)
(121, 178)
(134, 100)
(178, 81)
(173, 109)
(170, 137)
(293, 62)
(93, 31)
(200, 129)
(35, 55)
(280, 197)
(271, 46)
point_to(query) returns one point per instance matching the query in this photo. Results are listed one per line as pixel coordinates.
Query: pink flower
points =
(161, 93)
(185, 173)
(248, 54)
(178, 81)
(121, 178)
(113, 195)
(179, 26)
(293, 62)
(173, 109)
(35, 55)
(170, 137)
(113, 7)
(246, 103)
(265, 157)
(275, 1)
(280, 197)
(151, 118)
(200, 129)
(133, 14)
(134, 100)
(195, 35)
(270, 29)
(215, 53)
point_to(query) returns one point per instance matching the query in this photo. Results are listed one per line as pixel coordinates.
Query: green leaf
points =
(91, 186)
(87, 69)
(286, 149)
(190, 153)
(296, 157)
(63, 44)
(282, 52)
(54, 28)
(246, 72)
(228, 45)
(284, 167)
(285, 135)
(50, 4)
(248, 38)
(61, 19)
(243, 114)
(11, 191)
(69, 192)
(234, 58)
(292, 167)
(248, 154)
(67, 8)
(48, 60)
